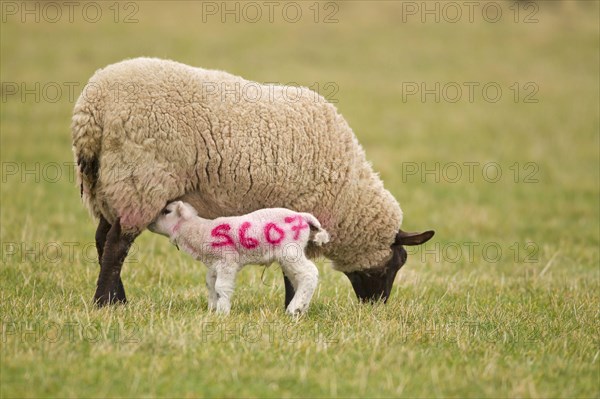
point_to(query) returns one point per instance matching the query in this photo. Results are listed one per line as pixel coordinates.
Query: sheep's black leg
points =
(115, 250)
(101, 233)
(289, 290)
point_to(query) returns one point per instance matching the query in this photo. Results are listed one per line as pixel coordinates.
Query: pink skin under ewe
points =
(227, 244)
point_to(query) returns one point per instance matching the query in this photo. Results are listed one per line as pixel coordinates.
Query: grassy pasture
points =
(503, 302)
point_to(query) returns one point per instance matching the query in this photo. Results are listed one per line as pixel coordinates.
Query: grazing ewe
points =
(148, 131)
(226, 244)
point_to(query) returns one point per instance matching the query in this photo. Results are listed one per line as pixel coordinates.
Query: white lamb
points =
(226, 244)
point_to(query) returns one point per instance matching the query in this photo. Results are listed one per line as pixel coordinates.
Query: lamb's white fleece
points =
(226, 244)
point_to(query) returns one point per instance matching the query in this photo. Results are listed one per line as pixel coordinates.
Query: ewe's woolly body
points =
(160, 130)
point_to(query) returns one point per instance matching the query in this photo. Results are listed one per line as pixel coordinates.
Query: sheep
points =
(226, 244)
(147, 132)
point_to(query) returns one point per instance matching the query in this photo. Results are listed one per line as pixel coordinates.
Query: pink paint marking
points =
(247, 242)
(272, 226)
(299, 226)
(176, 227)
(222, 231)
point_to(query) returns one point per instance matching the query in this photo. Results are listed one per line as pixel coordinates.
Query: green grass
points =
(524, 324)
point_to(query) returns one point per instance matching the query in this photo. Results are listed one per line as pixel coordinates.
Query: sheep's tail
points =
(87, 144)
(319, 235)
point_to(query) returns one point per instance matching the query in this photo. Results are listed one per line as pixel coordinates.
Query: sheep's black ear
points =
(404, 238)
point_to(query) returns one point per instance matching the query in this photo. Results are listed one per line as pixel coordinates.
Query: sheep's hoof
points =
(104, 300)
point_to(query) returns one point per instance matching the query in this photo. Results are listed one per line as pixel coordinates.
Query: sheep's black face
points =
(376, 284)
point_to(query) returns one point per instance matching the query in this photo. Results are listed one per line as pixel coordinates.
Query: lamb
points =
(147, 132)
(226, 244)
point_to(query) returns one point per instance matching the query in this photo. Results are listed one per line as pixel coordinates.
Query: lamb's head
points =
(171, 217)
(376, 283)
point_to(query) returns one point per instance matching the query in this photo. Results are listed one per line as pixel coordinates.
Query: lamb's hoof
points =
(223, 310)
(296, 312)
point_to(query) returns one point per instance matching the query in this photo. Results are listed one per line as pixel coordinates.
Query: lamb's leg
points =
(211, 279)
(289, 290)
(224, 285)
(114, 253)
(101, 233)
(304, 276)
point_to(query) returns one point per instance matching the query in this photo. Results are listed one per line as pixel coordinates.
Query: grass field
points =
(503, 302)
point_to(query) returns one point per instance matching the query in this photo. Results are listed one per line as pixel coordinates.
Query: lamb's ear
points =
(404, 238)
(183, 211)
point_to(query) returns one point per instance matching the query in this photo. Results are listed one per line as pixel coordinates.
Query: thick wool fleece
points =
(147, 131)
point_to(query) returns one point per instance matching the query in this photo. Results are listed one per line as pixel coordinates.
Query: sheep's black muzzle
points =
(376, 284)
